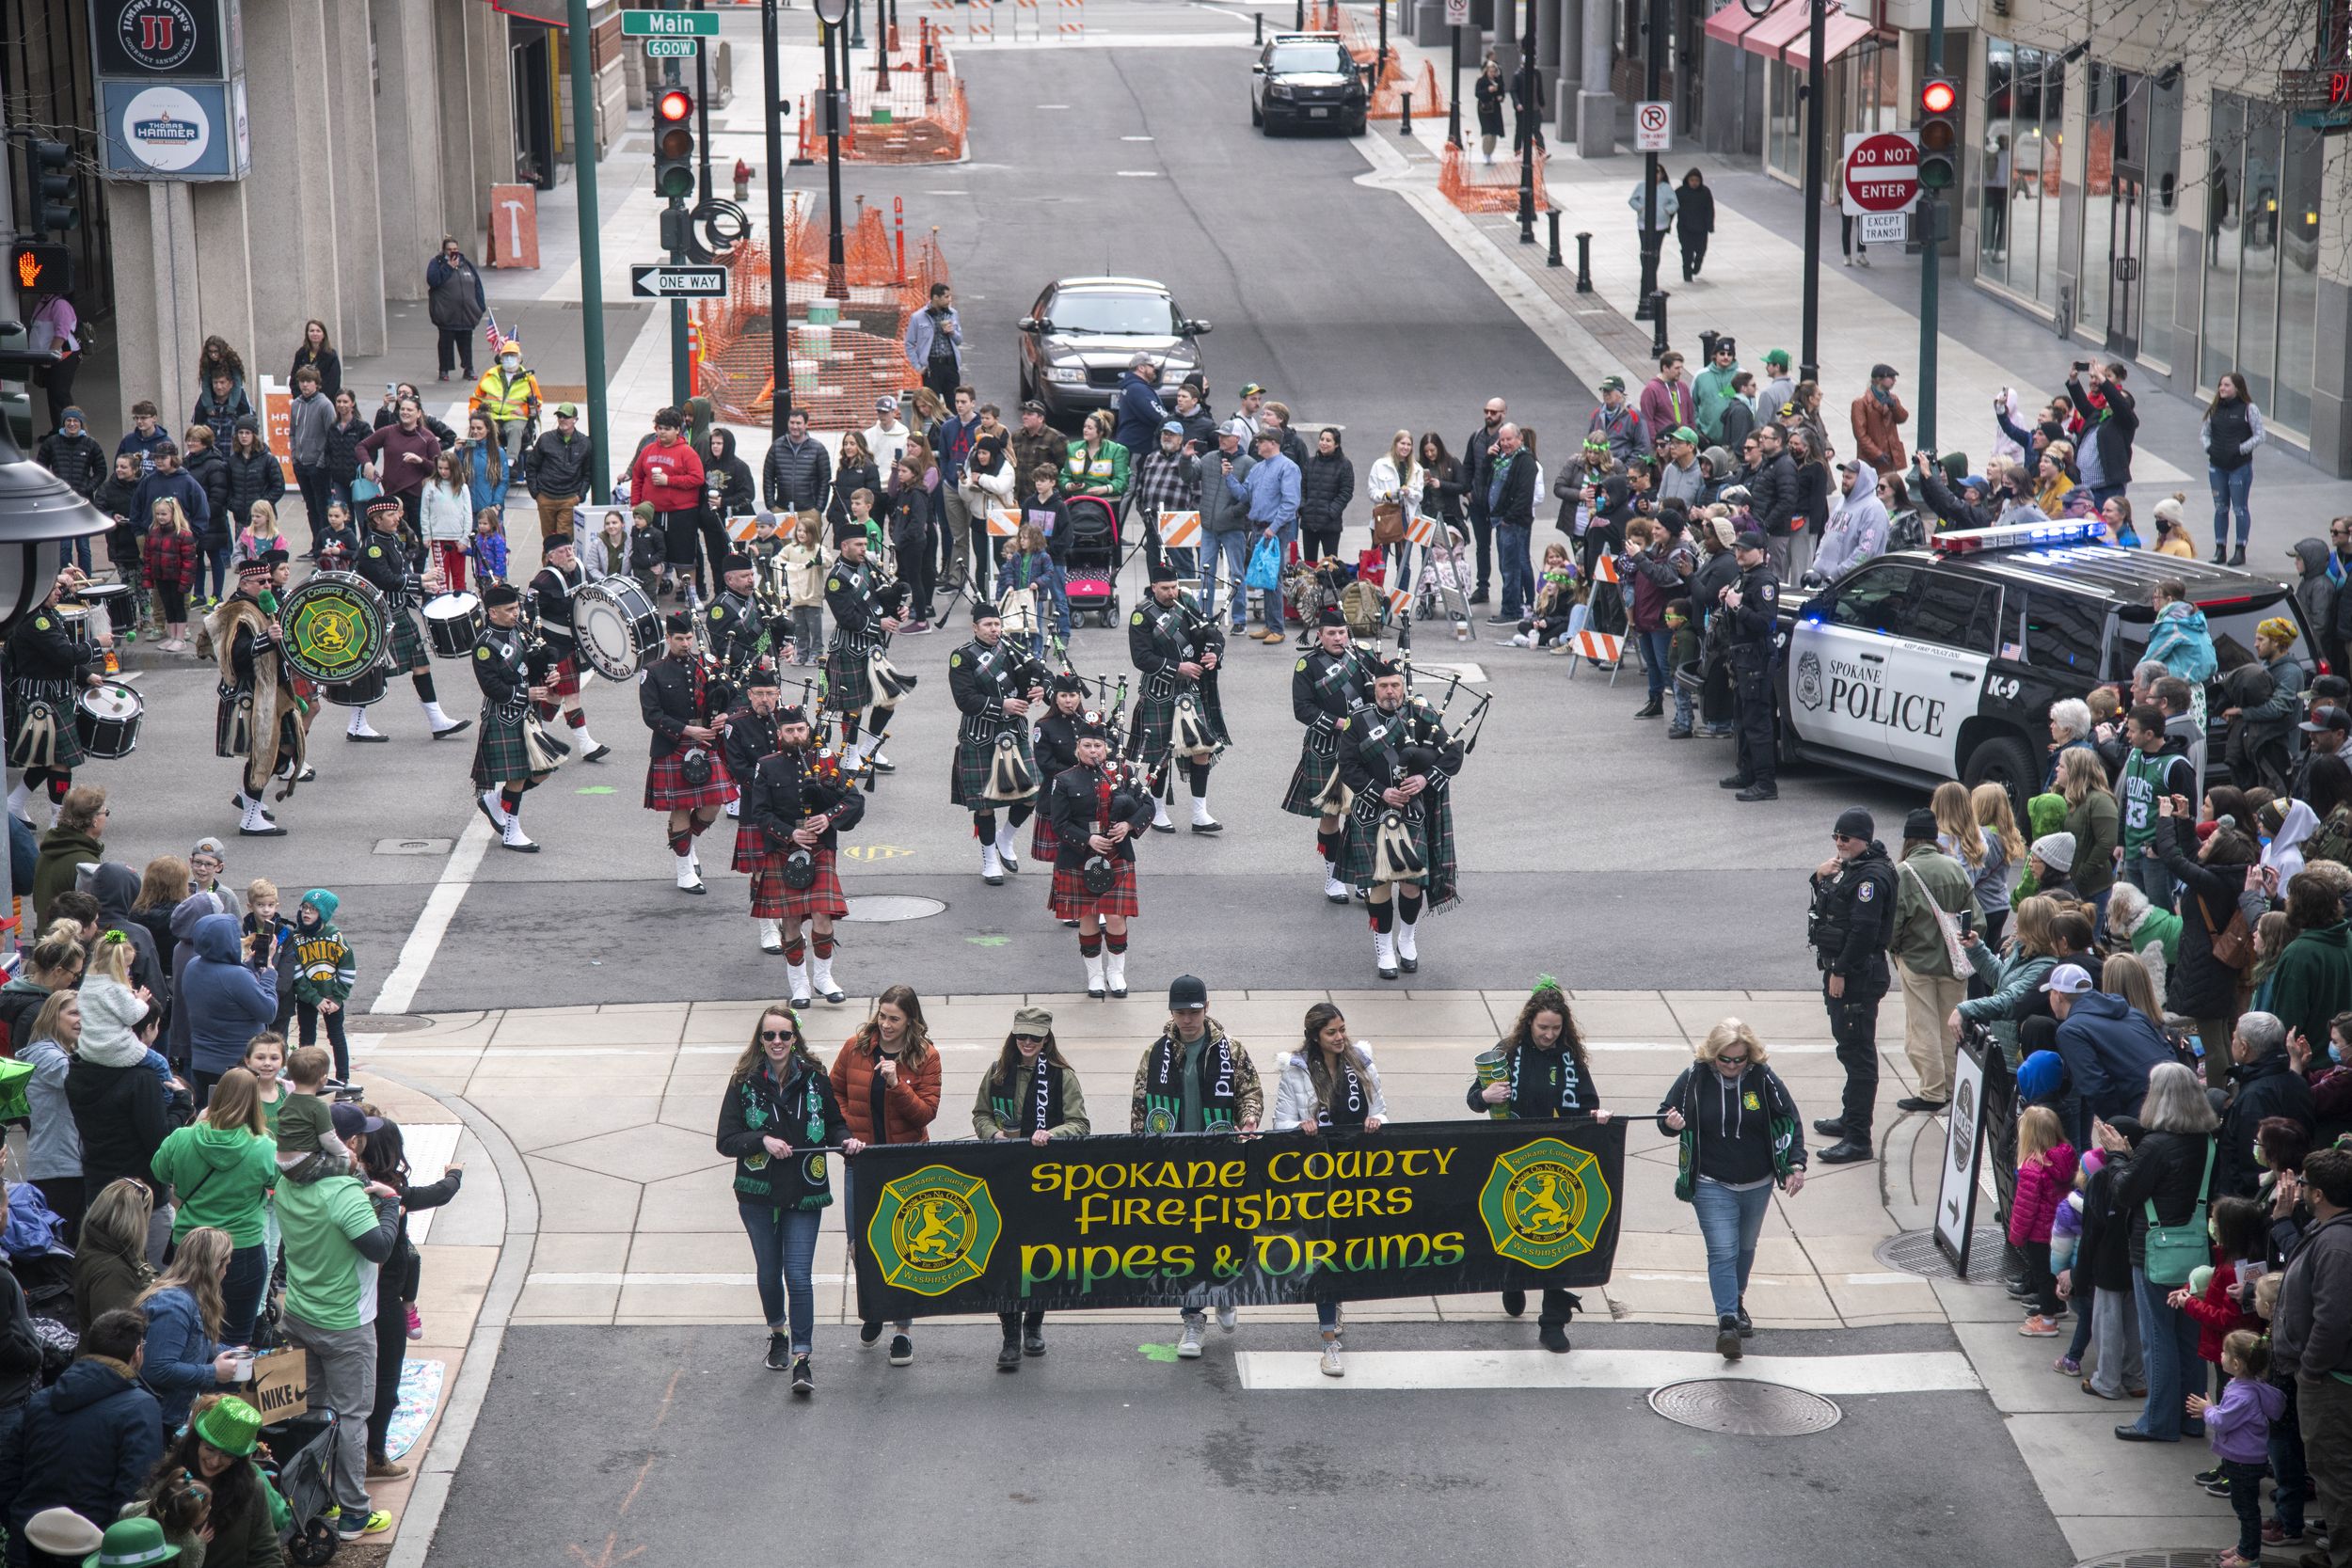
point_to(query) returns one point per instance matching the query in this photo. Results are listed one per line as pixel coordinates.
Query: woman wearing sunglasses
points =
(778, 1108)
(1031, 1094)
(1741, 1137)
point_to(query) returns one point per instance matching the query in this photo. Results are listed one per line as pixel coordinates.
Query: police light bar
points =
(1970, 541)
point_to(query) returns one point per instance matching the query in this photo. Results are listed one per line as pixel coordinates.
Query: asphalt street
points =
(1104, 1451)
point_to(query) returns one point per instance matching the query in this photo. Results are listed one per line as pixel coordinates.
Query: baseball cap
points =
(2327, 718)
(1684, 433)
(1187, 990)
(1032, 406)
(1611, 384)
(1748, 540)
(1776, 357)
(1238, 428)
(1853, 822)
(1252, 390)
(2068, 980)
(885, 404)
(1171, 427)
(567, 411)
(351, 1121)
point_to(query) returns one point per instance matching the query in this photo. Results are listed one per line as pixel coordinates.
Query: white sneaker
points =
(1862, 259)
(1849, 261)
(820, 977)
(1115, 973)
(514, 838)
(796, 981)
(1521, 639)
(1330, 1363)
(1188, 1342)
(1225, 1319)
(770, 935)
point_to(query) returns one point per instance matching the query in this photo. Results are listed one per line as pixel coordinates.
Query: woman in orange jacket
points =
(886, 1079)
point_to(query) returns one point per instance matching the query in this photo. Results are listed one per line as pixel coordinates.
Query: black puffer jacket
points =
(2200, 985)
(252, 476)
(1812, 498)
(2167, 1168)
(342, 449)
(1325, 485)
(1773, 495)
(78, 460)
(210, 470)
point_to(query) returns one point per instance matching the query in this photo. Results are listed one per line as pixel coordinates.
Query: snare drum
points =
(106, 718)
(113, 597)
(454, 622)
(618, 630)
(365, 691)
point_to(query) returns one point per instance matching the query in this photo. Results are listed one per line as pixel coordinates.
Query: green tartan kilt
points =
(1434, 833)
(1309, 781)
(849, 682)
(64, 740)
(407, 639)
(1148, 736)
(499, 754)
(974, 760)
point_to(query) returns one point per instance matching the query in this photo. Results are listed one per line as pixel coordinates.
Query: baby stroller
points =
(1442, 593)
(1092, 562)
(306, 1532)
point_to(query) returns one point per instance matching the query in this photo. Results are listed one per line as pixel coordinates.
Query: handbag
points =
(1265, 566)
(2233, 944)
(1948, 925)
(1388, 524)
(364, 490)
(2174, 1251)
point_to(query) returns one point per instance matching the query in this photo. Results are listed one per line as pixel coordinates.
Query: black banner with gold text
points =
(1187, 1220)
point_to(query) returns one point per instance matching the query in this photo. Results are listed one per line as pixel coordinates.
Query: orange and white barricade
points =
(1024, 15)
(1180, 531)
(1002, 522)
(742, 527)
(1421, 528)
(1605, 569)
(1074, 19)
(980, 20)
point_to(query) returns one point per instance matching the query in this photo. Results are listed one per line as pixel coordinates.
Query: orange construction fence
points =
(1482, 187)
(1428, 98)
(922, 117)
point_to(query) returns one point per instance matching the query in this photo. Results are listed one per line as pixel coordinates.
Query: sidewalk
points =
(609, 1111)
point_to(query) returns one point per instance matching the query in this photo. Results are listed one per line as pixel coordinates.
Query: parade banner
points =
(1181, 1220)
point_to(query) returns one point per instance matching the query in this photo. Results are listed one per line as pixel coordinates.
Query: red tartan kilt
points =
(564, 681)
(1069, 899)
(1044, 843)
(750, 844)
(772, 900)
(666, 788)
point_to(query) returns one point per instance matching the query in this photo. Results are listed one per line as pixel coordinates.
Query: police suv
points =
(1942, 663)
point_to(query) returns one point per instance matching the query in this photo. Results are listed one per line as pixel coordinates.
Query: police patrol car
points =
(1942, 663)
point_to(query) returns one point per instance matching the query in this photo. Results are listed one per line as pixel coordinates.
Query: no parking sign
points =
(1653, 127)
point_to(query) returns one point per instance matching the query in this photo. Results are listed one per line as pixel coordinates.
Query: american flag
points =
(491, 330)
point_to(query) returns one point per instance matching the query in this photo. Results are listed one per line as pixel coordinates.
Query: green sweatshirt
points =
(220, 1178)
(325, 966)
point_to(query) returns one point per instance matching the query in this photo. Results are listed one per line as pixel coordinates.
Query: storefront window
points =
(2025, 110)
(1784, 146)
(2160, 267)
(2131, 161)
(2261, 204)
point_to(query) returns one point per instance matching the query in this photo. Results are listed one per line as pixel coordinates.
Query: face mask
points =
(509, 362)
(2335, 1053)
(2212, 1231)
(307, 917)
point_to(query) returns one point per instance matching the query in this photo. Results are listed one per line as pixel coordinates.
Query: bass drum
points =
(618, 630)
(365, 691)
(107, 719)
(336, 627)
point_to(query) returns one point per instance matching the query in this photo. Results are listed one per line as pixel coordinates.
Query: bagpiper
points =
(855, 597)
(683, 705)
(47, 668)
(1397, 763)
(515, 752)
(1098, 808)
(384, 564)
(1178, 715)
(260, 717)
(741, 632)
(799, 803)
(1329, 683)
(752, 737)
(1056, 747)
(552, 593)
(994, 684)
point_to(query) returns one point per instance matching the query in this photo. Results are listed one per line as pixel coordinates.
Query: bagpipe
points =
(1011, 771)
(890, 685)
(826, 785)
(1189, 732)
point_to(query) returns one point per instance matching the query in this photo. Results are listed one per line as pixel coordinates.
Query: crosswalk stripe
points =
(1831, 1376)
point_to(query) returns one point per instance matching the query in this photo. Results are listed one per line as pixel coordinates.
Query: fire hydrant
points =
(742, 181)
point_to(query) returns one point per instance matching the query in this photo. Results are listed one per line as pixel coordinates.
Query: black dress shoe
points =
(1913, 1102)
(1734, 780)
(1845, 1151)
(1830, 1127)
(1758, 792)
(1162, 827)
(2133, 1434)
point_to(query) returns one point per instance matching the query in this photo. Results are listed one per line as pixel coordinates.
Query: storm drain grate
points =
(887, 907)
(2176, 1557)
(1743, 1408)
(1915, 1252)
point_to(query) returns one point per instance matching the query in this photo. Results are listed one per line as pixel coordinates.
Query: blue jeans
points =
(2150, 876)
(1228, 558)
(2291, 1477)
(216, 557)
(2167, 1350)
(784, 1244)
(241, 1292)
(1730, 1219)
(2230, 489)
(1519, 577)
(1654, 648)
(73, 552)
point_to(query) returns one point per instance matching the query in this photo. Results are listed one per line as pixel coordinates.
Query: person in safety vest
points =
(508, 396)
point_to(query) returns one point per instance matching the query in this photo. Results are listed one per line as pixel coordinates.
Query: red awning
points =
(1727, 23)
(1840, 32)
(1780, 26)
(555, 13)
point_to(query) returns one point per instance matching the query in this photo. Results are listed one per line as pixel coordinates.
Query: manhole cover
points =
(885, 907)
(2154, 1557)
(412, 846)
(1915, 1252)
(1742, 1407)
(386, 1023)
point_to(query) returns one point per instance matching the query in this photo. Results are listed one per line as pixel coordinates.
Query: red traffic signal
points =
(41, 268)
(674, 143)
(674, 104)
(1937, 95)
(1939, 134)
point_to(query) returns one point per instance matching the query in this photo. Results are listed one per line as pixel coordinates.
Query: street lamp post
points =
(779, 281)
(1808, 349)
(1524, 101)
(1453, 90)
(828, 15)
(1653, 220)
(882, 48)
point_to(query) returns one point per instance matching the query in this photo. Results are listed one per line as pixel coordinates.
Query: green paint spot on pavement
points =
(596, 789)
(988, 941)
(1158, 1352)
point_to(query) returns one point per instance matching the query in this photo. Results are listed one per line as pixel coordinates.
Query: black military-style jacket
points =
(383, 562)
(551, 599)
(790, 786)
(1161, 637)
(750, 738)
(501, 671)
(1374, 746)
(676, 692)
(1075, 804)
(1326, 687)
(850, 600)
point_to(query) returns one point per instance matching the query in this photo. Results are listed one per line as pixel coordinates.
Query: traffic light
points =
(673, 143)
(1939, 134)
(53, 189)
(39, 267)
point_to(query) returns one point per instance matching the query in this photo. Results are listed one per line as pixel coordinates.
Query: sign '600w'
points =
(1434, 1209)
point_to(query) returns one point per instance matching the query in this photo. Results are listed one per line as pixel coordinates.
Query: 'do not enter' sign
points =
(1881, 173)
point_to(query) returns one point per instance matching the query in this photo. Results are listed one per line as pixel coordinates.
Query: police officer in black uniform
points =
(1851, 923)
(552, 593)
(1754, 605)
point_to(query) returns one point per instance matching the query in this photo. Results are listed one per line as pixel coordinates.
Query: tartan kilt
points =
(1148, 736)
(1044, 843)
(499, 752)
(1070, 899)
(666, 788)
(974, 761)
(1434, 833)
(848, 681)
(232, 727)
(772, 900)
(1309, 781)
(65, 741)
(563, 680)
(750, 844)
(409, 648)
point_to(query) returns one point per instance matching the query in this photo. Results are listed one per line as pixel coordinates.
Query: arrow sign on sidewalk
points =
(662, 282)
